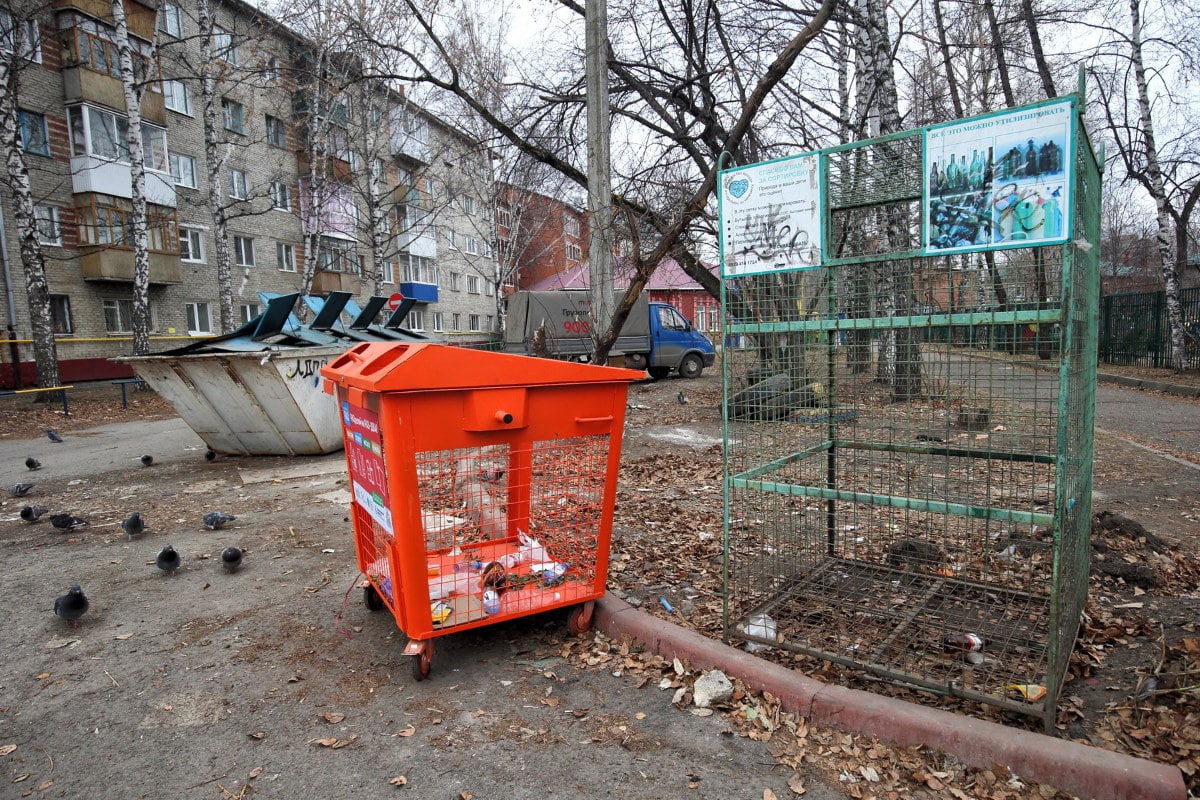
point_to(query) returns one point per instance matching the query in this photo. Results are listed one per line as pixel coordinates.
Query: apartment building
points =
(391, 198)
(537, 236)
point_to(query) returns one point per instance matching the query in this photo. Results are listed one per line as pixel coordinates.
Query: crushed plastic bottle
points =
(763, 627)
(964, 643)
(554, 574)
(491, 602)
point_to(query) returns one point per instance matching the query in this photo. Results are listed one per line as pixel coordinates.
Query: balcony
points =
(140, 18)
(115, 264)
(410, 145)
(91, 175)
(421, 292)
(325, 282)
(335, 168)
(81, 84)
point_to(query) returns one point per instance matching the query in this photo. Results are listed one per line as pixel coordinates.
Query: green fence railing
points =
(1134, 330)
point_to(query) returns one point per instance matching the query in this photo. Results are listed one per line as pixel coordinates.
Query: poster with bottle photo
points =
(1002, 180)
(770, 216)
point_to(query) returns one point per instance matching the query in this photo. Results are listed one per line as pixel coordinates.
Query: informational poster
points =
(364, 454)
(770, 216)
(1002, 180)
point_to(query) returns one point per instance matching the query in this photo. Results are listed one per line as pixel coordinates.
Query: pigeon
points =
(147, 460)
(32, 513)
(682, 398)
(134, 525)
(168, 560)
(32, 463)
(209, 455)
(20, 489)
(215, 520)
(72, 605)
(231, 558)
(67, 522)
(53, 436)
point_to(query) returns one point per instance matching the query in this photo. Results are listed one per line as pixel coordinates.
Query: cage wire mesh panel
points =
(471, 499)
(908, 445)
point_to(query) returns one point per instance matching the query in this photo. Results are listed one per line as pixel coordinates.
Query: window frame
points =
(174, 165)
(165, 15)
(387, 271)
(55, 219)
(473, 284)
(191, 315)
(194, 236)
(60, 310)
(276, 131)
(248, 311)
(438, 321)
(473, 323)
(233, 115)
(471, 245)
(282, 250)
(223, 45)
(33, 37)
(24, 117)
(241, 246)
(169, 95)
(573, 252)
(280, 191)
(236, 177)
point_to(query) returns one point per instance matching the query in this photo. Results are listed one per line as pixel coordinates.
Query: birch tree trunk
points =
(37, 290)
(215, 157)
(1158, 192)
(133, 87)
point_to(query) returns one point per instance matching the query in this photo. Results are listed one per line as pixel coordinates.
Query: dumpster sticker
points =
(364, 454)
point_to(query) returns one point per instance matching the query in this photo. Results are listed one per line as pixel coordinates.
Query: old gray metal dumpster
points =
(257, 391)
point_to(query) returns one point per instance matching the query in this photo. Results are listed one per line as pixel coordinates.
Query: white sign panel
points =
(771, 216)
(1002, 180)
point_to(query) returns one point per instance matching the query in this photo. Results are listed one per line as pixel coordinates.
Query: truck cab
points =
(675, 344)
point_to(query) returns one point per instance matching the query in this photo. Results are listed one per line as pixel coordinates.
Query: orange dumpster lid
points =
(404, 367)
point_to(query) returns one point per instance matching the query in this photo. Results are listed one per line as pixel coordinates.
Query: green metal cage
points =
(909, 381)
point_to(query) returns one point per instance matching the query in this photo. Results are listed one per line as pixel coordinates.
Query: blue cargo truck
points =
(655, 337)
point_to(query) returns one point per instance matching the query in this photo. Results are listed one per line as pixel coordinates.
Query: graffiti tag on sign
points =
(771, 216)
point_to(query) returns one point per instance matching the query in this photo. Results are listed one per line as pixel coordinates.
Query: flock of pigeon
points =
(72, 605)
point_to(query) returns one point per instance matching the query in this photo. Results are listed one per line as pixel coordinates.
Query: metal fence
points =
(900, 498)
(1134, 330)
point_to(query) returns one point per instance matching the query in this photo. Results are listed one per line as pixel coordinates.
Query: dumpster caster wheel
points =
(372, 599)
(579, 618)
(422, 659)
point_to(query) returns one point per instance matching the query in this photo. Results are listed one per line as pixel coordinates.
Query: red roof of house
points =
(669, 276)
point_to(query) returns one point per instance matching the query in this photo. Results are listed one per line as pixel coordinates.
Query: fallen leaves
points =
(333, 717)
(398, 780)
(334, 743)
(7, 748)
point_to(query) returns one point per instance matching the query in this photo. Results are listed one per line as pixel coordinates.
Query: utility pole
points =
(600, 267)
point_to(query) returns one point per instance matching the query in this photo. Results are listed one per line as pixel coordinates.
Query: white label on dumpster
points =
(364, 454)
(378, 511)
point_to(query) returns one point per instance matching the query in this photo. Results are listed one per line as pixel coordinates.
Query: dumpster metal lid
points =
(403, 367)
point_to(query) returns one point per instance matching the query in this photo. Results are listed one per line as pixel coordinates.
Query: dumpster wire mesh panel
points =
(511, 528)
(908, 452)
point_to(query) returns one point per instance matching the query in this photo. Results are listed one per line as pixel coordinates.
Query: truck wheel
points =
(658, 373)
(691, 366)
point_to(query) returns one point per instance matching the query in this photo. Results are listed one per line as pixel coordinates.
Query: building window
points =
(418, 269)
(454, 284)
(451, 239)
(489, 288)
(191, 245)
(437, 321)
(416, 320)
(170, 20)
(176, 96)
(271, 69)
(276, 132)
(237, 184)
(33, 133)
(49, 229)
(243, 251)
(103, 134)
(108, 222)
(571, 226)
(118, 316)
(222, 43)
(92, 44)
(199, 318)
(285, 257)
(456, 322)
(247, 312)
(472, 245)
(337, 255)
(8, 36)
(281, 197)
(233, 115)
(473, 322)
(388, 272)
(504, 215)
(467, 204)
(60, 313)
(488, 323)
(574, 252)
(472, 284)
(183, 170)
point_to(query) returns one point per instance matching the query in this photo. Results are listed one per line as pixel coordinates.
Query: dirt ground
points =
(175, 651)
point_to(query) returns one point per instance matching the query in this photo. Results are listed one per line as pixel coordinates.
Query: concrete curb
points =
(1155, 386)
(1068, 766)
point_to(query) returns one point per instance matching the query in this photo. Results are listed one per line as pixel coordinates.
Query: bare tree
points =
(37, 290)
